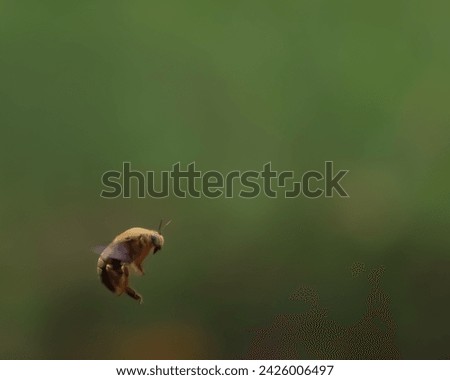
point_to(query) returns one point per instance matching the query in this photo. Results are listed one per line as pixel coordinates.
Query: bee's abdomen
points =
(101, 266)
(105, 277)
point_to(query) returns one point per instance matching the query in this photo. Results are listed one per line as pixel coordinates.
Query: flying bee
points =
(128, 249)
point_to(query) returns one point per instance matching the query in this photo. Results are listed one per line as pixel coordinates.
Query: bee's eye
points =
(154, 239)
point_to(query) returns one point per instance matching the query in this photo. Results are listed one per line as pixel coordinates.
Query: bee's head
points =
(157, 241)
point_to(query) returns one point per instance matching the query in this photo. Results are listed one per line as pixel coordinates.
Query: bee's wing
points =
(119, 251)
(98, 249)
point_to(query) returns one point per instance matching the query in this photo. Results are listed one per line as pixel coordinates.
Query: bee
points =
(128, 249)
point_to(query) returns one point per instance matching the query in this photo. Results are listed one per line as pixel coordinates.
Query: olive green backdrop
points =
(86, 85)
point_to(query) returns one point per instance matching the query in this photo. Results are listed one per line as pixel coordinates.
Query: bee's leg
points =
(138, 268)
(138, 261)
(129, 290)
(133, 294)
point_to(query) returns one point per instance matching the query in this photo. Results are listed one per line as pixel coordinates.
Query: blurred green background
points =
(86, 85)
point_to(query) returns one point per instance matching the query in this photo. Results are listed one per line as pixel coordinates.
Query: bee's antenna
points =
(165, 225)
(161, 227)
